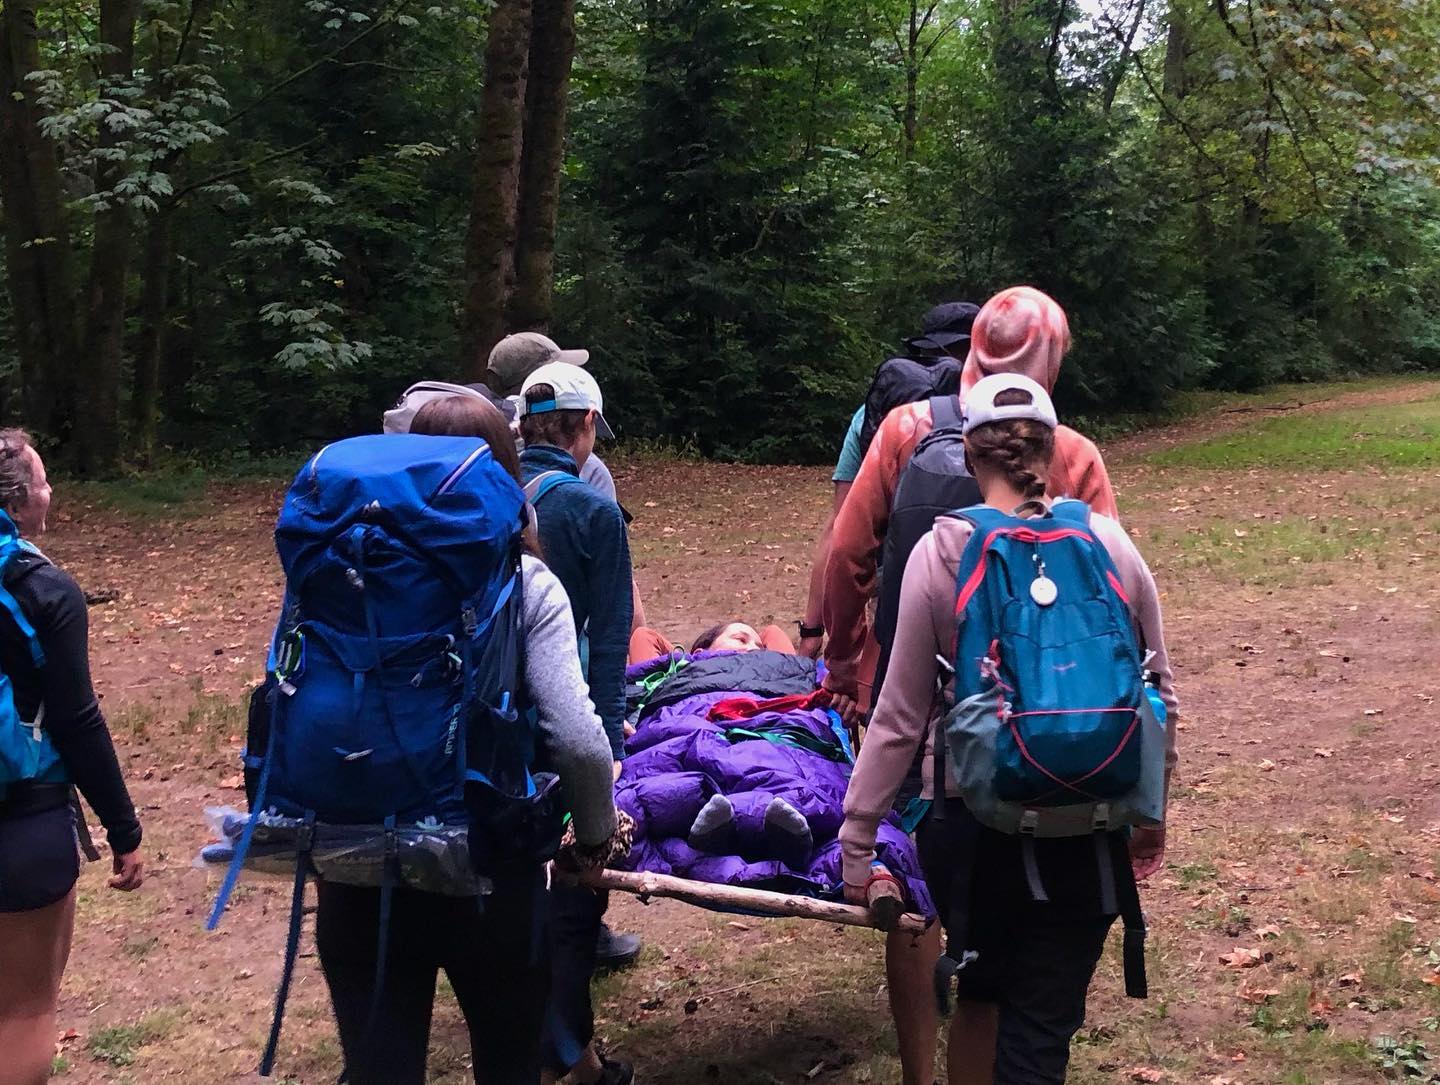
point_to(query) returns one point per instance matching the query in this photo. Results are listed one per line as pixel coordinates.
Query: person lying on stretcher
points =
(737, 771)
(647, 643)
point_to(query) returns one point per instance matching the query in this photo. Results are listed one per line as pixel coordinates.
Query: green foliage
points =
(760, 199)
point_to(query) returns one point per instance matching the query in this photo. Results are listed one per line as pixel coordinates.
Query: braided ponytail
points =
(1020, 450)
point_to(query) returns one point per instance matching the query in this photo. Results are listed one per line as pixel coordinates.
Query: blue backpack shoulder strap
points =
(10, 548)
(546, 481)
(984, 518)
(1071, 510)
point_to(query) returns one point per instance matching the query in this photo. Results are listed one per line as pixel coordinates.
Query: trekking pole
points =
(738, 898)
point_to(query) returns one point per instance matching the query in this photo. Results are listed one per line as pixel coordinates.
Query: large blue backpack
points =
(393, 746)
(1054, 732)
(26, 753)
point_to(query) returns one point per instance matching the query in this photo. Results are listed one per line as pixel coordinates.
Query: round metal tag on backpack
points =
(1043, 590)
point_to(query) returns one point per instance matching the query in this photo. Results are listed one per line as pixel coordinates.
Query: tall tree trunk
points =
(37, 239)
(490, 241)
(159, 250)
(154, 319)
(97, 433)
(912, 82)
(552, 49)
(1175, 54)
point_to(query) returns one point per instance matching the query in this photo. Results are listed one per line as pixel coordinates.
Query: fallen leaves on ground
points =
(1242, 957)
(1257, 996)
(1147, 1074)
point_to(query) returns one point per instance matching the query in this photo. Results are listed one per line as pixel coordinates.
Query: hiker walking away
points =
(53, 739)
(424, 667)
(583, 537)
(929, 367)
(515, 357)
(511, 362)
(1025, 903)
(913, 470)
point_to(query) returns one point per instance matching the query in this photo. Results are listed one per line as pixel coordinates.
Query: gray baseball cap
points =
(517, 356)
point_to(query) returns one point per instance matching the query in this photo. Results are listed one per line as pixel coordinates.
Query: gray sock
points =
(789, 833)
(714, 827)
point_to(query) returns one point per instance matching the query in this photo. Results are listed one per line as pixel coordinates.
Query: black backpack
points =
(899, 381)
(934, 482)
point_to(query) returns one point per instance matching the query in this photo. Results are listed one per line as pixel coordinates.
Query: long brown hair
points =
(1021, 449)
(471, 416)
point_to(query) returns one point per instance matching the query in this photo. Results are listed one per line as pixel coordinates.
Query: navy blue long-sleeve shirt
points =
(582, 534)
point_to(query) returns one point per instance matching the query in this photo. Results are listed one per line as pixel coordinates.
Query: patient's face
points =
(737, 637)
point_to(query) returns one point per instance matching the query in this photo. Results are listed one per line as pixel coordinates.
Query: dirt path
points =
(1306, 821)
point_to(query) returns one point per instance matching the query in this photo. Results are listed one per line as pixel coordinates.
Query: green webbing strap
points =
(796, 738)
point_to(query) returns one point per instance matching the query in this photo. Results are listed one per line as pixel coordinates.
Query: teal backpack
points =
(26, 752)
(1056, 730)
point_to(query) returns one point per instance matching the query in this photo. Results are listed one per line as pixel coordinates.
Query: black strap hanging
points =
(304, 844)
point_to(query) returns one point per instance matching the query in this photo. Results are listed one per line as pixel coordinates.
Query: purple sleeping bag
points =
(679, 759)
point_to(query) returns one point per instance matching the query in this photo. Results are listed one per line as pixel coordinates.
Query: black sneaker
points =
(613, 951)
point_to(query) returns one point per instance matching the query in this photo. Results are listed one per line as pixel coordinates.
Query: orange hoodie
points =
(1076, 471)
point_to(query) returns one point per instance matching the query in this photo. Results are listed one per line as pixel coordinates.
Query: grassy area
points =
(1403, 435)
(119, 1045)
(1184, 406)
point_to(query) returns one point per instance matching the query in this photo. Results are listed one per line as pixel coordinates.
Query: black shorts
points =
(39, 858)
(1035, 960)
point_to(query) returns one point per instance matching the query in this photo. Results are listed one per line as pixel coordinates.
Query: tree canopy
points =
(249, 226)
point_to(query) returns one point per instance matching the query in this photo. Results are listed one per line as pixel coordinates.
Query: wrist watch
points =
(807, 631)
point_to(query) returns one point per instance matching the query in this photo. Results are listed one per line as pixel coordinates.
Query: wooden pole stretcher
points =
(885, 911)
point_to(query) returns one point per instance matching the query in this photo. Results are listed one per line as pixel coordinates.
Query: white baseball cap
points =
(980, 407)
(398, 418)
(575, 390)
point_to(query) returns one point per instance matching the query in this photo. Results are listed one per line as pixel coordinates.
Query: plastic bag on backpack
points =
(431, 858)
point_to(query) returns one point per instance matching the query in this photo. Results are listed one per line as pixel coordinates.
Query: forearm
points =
(72, 718)
(814, 614)
(85, 746)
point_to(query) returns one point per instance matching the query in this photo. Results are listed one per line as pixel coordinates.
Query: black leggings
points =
(575, 916)
(497, 962)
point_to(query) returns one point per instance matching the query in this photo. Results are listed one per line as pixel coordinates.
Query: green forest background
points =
(237, 227)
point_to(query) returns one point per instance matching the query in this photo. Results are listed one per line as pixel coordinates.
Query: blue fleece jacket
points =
(583, 538)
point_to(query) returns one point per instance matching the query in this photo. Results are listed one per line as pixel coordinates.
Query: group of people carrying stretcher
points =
(1026, 918)
(735, 759)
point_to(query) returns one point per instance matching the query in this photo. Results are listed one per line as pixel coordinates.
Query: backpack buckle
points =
(1100, 819)
(1029, 822)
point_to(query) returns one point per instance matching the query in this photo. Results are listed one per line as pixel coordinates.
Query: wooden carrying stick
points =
(738, 898)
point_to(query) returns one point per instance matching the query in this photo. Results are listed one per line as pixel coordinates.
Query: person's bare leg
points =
(910, 977)
(646, 644)
(970, 1049)
(34, 947)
